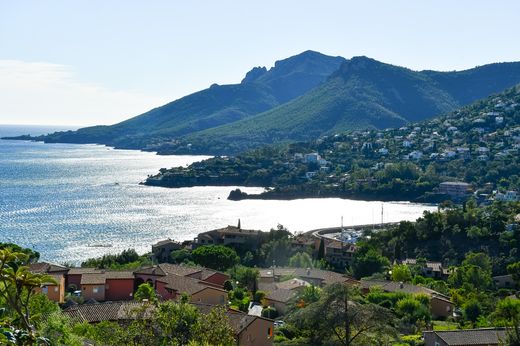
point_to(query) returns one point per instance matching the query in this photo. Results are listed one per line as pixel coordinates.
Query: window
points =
(95, 290)
(56, 289)
(45, 289)
(270, 331)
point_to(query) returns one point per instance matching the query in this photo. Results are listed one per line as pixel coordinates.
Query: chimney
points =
(239, 227)
(401, 285)
(308, 271)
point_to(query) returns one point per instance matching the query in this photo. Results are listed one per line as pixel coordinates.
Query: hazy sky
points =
(99, 62)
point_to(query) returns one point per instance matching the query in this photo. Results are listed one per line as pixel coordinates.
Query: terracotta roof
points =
(93, 279)
(80, 271)
(164, 242)
(185, 284)
(119, 275)
(292, 284)
(110, 311)
(282, 271)
(281, 295)
(100, 277)
(44, 267)
(236, 230)
(164, 269)
(117, 311)
(328, 277)
(484, 336)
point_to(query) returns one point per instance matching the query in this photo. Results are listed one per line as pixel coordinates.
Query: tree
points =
(214, 328)
(413, 310)
(514, 270)
(368, 261)
(145, 291)
(308, 295)
(508, 312)
(472, 310)
(340, 316)
(301, 260)
(216, 257)
(247, 277)
(180, 256)
(401, 273)
(321, 250)
(17, 286)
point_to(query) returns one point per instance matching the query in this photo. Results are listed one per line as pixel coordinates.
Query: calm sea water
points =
(61, 199)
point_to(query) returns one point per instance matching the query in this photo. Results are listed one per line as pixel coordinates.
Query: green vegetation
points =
(127, 259)
(477, 144)
(216, 257)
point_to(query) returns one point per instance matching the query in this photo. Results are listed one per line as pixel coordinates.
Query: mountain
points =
(301, 98)
(363, 93)
(259, 91)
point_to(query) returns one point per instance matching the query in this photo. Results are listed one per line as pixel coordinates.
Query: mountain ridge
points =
(300, 98)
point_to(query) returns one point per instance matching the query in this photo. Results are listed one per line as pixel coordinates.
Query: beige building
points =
(455, 188)
(55, 291)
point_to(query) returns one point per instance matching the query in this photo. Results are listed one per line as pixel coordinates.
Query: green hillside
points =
(362, 94)
(259, 91)
(299, 99)
(477, 144)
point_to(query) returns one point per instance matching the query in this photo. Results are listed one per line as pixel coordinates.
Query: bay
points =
(61, 199)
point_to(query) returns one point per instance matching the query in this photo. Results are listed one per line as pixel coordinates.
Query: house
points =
(280, 299)
(429, 269)
(293, 284)
(312, 158)
(455, 189)
(339, 253)
(316, 277)
(55, 291)
(108, 285)
(208, 276)
(172, 280)
(73, 279)
(230, 235)
(161, 250)
(440, 305)
(174, 286)
(248, 330)
(465, 337)
(504, 281)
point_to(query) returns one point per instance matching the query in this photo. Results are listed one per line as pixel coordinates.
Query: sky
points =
(100, 62)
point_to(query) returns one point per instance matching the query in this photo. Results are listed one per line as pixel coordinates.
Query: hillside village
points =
(262, 284)
(451, 157)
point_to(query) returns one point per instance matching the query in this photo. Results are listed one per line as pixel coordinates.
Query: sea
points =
(71, 202)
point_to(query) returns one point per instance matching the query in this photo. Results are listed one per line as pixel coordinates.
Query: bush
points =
(228, 285)
(259, 296)
(270, 312)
